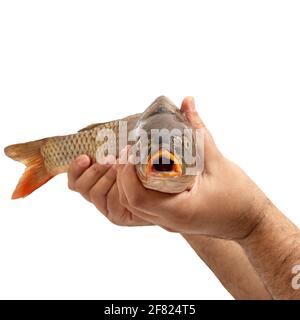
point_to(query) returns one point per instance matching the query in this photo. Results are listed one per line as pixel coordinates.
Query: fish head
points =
(165, 145)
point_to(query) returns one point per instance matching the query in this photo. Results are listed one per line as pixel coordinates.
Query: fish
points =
(158, 138)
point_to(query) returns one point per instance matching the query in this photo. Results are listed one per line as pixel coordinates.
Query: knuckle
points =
(77, 186)
(112, 219)
(71, 185)
(86, 196)
(111, 174)
(94, 195)
(95, 168)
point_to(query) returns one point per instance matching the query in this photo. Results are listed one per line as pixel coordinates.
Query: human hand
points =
(224, 202)
(97, 184)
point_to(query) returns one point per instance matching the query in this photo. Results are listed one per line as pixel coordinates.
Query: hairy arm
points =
(229, 263)
(273, 248)
(97, 183)
(224, 203)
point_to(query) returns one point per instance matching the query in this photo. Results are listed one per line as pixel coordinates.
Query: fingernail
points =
(131, 159)
(110, 159)
(123, 155)
(83, 161)
(192, 102)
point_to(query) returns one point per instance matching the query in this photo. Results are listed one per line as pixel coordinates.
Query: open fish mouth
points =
(164, 163)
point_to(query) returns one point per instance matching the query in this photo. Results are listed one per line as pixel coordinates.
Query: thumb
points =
(211, 152)
(188, 107)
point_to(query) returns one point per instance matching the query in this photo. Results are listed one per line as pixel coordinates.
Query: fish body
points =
(45, 158)
(58, 152)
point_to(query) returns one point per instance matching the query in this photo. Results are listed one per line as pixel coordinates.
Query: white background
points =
(65, 64)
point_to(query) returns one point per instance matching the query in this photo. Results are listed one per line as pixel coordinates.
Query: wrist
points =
(271, 225)
(256, 217)
(272, 247)
(259, 226)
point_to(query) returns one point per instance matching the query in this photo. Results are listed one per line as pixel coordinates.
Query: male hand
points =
(97, 184)
(224, 202)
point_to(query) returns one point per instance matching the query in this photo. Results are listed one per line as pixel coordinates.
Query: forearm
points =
(231, 266)
(274, 250)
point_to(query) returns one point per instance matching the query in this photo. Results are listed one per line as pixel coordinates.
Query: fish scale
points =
(58, 152)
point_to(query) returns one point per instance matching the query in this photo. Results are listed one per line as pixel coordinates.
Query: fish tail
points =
(35, 174)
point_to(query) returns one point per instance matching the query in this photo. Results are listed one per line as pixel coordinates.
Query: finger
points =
(135, 212)
(119, 214)
(157, 204)
(189, 108)
(142, 218)
(147, 204)
(138, 215)
(76, 169)
(138, 220)
(211, 152)
(99, 191)
(90, 177)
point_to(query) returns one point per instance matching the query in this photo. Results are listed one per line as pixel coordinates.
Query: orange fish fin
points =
(35, 174)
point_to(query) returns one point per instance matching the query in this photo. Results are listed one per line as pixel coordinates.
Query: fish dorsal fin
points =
(92, 126)
(131, 121)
